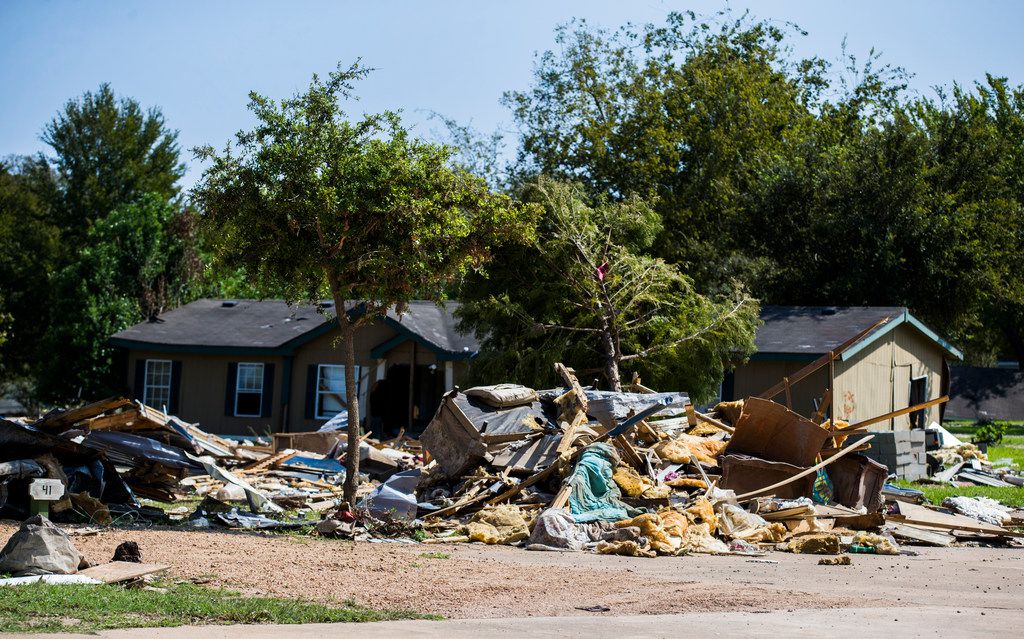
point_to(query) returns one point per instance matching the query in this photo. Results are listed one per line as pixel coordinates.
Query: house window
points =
(157, 383)
(249, 390)
(330, 390)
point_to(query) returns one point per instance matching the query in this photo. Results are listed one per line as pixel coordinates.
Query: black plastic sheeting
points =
(126, 449)
(87, 470)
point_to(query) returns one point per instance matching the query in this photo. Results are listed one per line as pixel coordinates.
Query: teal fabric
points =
(594, 495)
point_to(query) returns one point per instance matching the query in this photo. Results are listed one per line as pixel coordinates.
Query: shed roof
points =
(798, 332)
(236, 326)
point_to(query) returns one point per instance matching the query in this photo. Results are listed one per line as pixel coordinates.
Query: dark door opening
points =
(390, 398)
(918, 395)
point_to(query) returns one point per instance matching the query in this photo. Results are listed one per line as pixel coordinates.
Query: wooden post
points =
(832, 388)
(789, 393)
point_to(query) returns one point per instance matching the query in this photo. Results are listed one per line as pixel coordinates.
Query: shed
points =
(899, 363)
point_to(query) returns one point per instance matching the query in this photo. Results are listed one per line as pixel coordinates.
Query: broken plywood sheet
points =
(528, 458)
(496, 425)
(118, 571)
(772, 432)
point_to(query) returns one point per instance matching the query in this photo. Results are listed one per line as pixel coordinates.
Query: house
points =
(252, 367)
(900, 363)
(997, 393)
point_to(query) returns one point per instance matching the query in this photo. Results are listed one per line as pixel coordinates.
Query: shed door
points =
(918, 395)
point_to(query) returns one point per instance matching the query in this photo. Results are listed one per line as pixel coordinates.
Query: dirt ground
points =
(477, 581)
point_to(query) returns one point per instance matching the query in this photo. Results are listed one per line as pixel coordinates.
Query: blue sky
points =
(198, 60)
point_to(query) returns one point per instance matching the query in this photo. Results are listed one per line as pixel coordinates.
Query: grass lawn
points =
(66, 608)
(935, 493)
(967, 428)
(1012, 447)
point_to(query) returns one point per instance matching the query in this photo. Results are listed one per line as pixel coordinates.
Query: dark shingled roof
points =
(815, 330)
(270, 324)
(998, 392)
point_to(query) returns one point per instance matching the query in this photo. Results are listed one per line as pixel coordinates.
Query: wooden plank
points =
(891, 415)
(113, 422)
(629, 454)
(570, 380)
(691, 415)
(71, 417)
(928, 518)
(714, 422)
(118, 571)
(789, 393)
(922, 535)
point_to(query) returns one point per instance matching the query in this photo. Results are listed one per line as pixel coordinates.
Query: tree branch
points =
(666, 345)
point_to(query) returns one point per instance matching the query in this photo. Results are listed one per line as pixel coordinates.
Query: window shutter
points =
(229, 390)
(311, 372)
(175, 386)
(268, 390)
(140, 380)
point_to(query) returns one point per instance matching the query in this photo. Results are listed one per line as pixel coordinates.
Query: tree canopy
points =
(319, 205)
(810, 181)
(585, 292)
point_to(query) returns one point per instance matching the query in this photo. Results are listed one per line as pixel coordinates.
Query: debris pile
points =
(643, 473)
(108, 454)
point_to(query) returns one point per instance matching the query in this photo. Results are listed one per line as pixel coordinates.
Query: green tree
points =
(134, 262)
(28, 254)
(585, 292)
(319, 205)
(689, 112)
(109, 152)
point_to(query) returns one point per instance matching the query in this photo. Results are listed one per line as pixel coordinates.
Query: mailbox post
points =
(42, 492)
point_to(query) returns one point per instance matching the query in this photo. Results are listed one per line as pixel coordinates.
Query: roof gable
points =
(275, 327)
(803, 332)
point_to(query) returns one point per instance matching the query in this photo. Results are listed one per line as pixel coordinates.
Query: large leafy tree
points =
(688, 111)
(28, 254)
(109, 151)
(124, 250)
(586, 292)
(317, 204)
(134, 263)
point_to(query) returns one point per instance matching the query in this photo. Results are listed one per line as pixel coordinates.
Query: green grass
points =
(935, 493)
(967, 428)
(436, 555)
(65, 608)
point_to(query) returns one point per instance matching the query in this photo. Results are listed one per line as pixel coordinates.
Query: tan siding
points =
(203, 390)
(864, 383)
(920, 357)
(754, 378)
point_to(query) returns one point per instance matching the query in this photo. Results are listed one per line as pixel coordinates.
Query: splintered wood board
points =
(926, 518)
(117, 571)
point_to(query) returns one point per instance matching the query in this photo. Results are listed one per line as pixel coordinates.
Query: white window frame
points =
(316, 406)
(238, 387)
(146, 385)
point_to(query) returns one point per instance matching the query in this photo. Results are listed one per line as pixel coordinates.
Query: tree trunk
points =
(611, 356)
(348, 351)
(352, 399)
